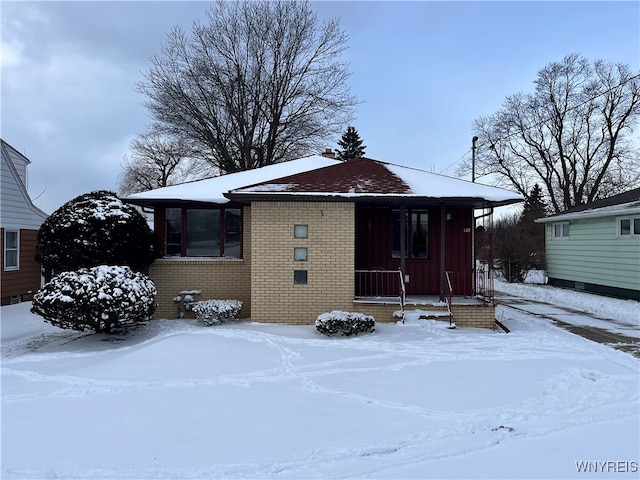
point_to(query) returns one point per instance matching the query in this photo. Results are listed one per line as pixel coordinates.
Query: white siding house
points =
(596, 247)
(20, 220)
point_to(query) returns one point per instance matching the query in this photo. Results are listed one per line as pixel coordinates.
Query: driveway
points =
(618, 335)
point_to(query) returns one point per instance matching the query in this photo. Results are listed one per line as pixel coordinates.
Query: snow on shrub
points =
(105, 299)
(214, 312)
(344, 323)
(93, 229)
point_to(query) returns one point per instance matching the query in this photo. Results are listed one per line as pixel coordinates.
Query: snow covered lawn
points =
(177, 399)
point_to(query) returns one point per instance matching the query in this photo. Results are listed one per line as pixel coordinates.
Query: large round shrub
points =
(105, 299)
(96, 228)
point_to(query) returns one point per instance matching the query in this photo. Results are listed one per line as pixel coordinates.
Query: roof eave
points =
(475, 202)
(153, 202)
(589, 214)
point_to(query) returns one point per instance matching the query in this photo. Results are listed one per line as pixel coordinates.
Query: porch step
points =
(434, 315)
(428, 314)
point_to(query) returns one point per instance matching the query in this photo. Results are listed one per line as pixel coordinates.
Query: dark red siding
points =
(26, 280)
(374, 242)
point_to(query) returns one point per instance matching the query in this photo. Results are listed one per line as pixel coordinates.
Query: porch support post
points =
(443, 219)
(403, 240)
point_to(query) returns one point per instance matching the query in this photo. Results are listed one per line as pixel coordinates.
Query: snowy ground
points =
(178, 400)
(616, 315)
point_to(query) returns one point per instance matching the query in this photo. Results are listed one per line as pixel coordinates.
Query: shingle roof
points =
(368, 179)
(625, 197)
(360, 175)
(615, 205)
(212, 190)
(319, 178)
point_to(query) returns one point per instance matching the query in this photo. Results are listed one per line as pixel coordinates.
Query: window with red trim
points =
(203, 232)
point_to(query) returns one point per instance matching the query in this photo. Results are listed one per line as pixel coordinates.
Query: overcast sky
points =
(424, 71)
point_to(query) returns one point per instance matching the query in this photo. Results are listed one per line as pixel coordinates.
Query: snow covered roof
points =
(213, 189)
(320, 177)
(626, 203)
(364, 178)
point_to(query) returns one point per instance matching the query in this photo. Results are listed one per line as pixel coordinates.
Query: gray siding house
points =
(20, 220)
(596, 247)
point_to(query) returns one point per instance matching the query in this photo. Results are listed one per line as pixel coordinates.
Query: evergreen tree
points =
(534, 206)
(533, 233)
(351, 144)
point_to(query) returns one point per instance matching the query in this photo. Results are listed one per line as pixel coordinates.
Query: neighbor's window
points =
(203, 232)
(628, 227)
(560, 230)
(416, 233)
(11, 249)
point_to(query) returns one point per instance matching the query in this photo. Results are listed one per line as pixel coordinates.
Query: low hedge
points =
(344, 323)
(215, 312)
(105, 299)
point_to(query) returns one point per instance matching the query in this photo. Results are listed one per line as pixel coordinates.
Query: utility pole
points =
(473, 158)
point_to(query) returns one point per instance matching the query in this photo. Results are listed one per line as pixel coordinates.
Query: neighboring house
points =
(19, 222)
(296, 239)
(596, 247)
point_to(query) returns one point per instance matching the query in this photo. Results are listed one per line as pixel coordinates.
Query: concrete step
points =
(427, 314)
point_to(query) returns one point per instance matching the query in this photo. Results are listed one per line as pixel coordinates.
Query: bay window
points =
(203, 232)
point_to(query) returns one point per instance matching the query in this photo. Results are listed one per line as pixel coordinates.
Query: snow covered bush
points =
(214, 312)
(344, 323)
(93, 229)
(105, 299)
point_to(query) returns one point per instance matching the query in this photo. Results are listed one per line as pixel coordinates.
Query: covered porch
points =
(425, 259)
(477, 310)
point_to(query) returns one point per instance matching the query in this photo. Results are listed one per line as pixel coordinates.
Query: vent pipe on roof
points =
(328, 153)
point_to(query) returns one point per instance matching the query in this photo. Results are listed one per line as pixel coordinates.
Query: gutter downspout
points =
(403, 239)
(443, 213)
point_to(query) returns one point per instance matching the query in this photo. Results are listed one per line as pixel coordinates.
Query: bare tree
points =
(573, 135)
(259, 83)
(157, 161)
(511, 248)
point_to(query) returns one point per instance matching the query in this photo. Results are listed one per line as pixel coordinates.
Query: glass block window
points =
(299, 277)
(300, 254)
(300, 231)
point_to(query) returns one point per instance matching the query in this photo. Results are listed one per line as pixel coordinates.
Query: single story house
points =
(20, 222)
(596, 247)
(297, 239)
